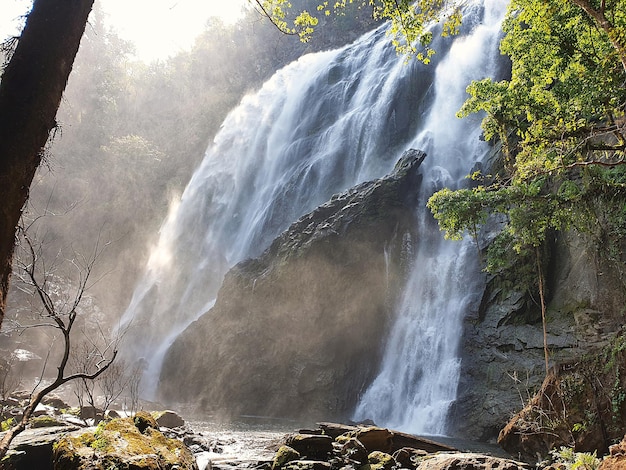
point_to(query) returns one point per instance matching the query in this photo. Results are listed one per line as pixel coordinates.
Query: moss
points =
(381, 461)
(284, 455)
(144, 420)
(7, 424)
(119, 441)
(44, 422)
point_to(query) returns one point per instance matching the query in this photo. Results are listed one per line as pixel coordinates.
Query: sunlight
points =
(161, 28)
(158, 28)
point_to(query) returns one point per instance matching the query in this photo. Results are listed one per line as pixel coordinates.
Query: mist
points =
(129, 136)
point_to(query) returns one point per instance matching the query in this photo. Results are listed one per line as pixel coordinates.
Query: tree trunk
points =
(30, 94)
(598, 15)
(542, 298)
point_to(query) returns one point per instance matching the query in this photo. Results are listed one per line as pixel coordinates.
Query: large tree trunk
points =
(30, 94)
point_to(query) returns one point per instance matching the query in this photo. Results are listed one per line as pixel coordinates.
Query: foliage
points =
(575, 460)
(560, 120)
(7, 424)
(410, 21)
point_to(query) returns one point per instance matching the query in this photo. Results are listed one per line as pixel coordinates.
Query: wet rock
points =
(169, 419)
(469, 461)
(372, 438)
(284, 455)
(311, 446)
(302, 325)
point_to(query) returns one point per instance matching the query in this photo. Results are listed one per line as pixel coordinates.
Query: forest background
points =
(131, 134)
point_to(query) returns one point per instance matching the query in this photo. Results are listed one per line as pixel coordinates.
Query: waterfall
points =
(319, 126)
(420, 370)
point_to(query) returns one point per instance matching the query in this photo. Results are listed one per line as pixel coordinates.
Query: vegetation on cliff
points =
(559, 122)
(581, 405)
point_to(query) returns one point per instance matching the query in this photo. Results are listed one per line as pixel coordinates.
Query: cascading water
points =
(420, 371)
(319, 126)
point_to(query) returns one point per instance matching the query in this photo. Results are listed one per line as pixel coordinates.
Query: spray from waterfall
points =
(420, 372)
(319, 126)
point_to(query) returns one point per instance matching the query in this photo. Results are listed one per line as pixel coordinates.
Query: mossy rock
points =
(381, 461)
(284, 455)
(120, 444)
(45, 422)
(144, 420)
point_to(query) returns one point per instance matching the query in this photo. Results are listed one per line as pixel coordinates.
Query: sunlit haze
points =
(158, 28)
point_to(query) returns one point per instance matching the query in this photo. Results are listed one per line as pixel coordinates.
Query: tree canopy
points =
(559, 120)
(409, 20)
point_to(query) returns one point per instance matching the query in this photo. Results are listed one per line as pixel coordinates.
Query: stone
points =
(307, 465)
(169, 419)
(302, 324)
(90, 412)
(144, 420)
(408, 457)
(469, 461)
(111, 414)
(122, 443)
(372, 438)
(381, 461)
(55, 402)
(32, 449)
(284, 455)
(355, 451)
(311, 446)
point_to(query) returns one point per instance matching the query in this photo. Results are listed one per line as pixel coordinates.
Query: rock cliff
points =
(297, 332)
(503, 364)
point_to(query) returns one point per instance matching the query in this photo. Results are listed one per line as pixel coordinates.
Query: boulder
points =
(32, 449)
(169, 419)
(372, 438)
(298, 331)
(378, 460)
(354, 451)
(311, 446)
(469, 461)
(122, 443)
(284, 455)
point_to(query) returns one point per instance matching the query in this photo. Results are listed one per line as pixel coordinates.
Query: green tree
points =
(409, 20)
(560, 122)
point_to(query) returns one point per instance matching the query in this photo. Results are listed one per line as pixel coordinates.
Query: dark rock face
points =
(503, 361)
(297, 332)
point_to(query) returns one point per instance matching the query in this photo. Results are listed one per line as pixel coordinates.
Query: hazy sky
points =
(159, 28)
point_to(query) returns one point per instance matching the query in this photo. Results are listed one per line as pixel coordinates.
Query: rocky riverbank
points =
(59, 440)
